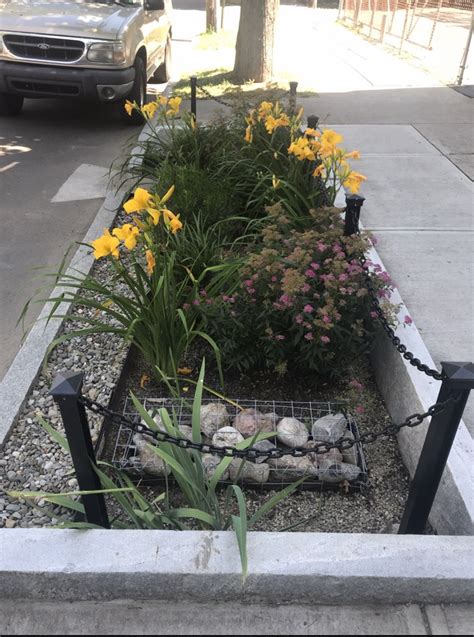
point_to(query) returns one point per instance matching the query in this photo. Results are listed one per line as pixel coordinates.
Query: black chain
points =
(407, 355)
(231, 452)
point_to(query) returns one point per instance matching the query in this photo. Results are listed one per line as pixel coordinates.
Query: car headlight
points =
(106, 53)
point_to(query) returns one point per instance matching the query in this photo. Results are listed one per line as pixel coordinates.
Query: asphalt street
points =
(39, 151)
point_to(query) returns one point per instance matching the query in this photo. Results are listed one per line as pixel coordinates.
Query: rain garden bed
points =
(229, 250)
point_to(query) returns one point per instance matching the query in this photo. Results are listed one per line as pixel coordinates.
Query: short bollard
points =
(457, 384)
(351, 220)
(66, 391)
(293, 88)
(313, 121)
(194, 95)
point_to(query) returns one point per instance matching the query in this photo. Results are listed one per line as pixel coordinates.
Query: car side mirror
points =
(155, 5)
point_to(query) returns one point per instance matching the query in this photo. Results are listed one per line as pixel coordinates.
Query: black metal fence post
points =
(66, 391)
(457, 384)
(313, 121)
(353, 205)
(293, 87)
(194, 95)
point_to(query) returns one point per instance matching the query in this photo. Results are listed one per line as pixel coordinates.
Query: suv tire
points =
(137, 94)
(163, 72)
(10, 104)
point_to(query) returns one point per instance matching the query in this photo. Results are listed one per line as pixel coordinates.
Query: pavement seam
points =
(448, 157)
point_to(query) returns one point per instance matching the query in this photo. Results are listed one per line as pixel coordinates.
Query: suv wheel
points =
(137, 94)
(163, 72)
(10, 104)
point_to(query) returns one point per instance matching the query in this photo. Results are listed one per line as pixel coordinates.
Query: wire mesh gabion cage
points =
(126, 455)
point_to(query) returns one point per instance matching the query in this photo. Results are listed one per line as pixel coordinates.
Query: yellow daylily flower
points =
(275, 182)
(128, 234)
(331, 138)
(150, 262)
(318, 171)
(175, 225)
(149, 110)
(312, 132)
(106, 245)
(302, 149)
(264, 110)
(154, 214)
(353, 181)
(129, 106)
(354, 154)
(168, 195)
(163, 100)
(141, 200)
(174, 104)
(248, 134)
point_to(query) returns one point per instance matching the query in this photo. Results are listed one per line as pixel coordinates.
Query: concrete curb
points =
(333, 568)
(407, 391)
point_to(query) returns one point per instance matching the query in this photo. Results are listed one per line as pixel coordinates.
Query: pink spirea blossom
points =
(248, 283)
(298, 319)
(343, 277)
(196, 302)
(279, 337)
(360, 409)
(408, 320)
(326, 319)
(356, 384)
(274, 279)
(308, 308)
(305, 287)
(311, 274)
(315, 266)
(309, 336)
(374, 315)
(186, 306)
(325, 339)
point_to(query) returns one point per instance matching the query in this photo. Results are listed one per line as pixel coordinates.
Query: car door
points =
(156, 26)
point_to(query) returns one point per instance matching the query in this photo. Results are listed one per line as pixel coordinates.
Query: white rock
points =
(263, 445)
(248, 471)
(330, 471)
(149, 461)
(292, 432)
(289, 468)
(349, 455)
(329, 428)
(214, 416)
(251, 421)
(227, 437)
(210, 464)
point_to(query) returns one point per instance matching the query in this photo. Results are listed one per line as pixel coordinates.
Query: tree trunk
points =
(255, 40)
(211, 15)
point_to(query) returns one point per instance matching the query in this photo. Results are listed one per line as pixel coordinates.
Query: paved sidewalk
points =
(123, 617)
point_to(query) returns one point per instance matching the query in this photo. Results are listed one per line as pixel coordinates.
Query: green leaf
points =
(54, 434)
(239, 524)
(273, 501)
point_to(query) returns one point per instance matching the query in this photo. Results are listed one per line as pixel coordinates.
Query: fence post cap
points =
(355, 199)
(459, 375)
(67, 383)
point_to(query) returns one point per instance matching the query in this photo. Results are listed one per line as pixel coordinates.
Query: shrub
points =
(303, 300)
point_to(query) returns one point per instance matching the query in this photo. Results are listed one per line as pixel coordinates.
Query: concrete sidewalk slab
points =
(392, 139)
(450, 139)
(464, 163)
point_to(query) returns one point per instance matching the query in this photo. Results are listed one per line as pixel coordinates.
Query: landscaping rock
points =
(251, 421)
(248, 471)
(349, 455)
(149, 461)
(227, 437)
(214, 416)
(292, 432)
(329, 428)
(333, 454)
(330, 471)
(186, 432)
(289, 468)
(263, 445)
(210, 464)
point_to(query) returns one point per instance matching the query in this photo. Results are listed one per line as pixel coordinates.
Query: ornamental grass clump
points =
(303, 302)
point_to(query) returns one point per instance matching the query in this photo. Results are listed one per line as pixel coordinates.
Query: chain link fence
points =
(436, 32)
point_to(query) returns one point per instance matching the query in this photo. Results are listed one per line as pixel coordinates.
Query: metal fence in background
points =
(438, 32)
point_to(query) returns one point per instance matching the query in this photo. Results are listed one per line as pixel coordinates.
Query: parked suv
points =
(91, 49)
